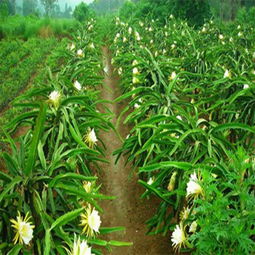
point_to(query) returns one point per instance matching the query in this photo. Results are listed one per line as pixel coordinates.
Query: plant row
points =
(192, 109)
(50, 197)
(19, 76)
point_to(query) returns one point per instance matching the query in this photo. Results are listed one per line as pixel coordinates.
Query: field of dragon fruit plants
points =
(49, 195)
(192, 110)
(189, 104)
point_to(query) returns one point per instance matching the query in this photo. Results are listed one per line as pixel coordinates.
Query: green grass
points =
(31, 26)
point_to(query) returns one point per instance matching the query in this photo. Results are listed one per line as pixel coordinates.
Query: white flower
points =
(221, 37)
(54, 98)
(231, 39)
(77, 85)
(90, 220)
(71, 46)
(193, 188)
(240, 34)
(151, 41)
(137, 36)
(166, 34)
(179, 117)
(173, 46)
(178, 237)
(135, 71)
(150, 29)
(120, 70)
(117, 35)
(136, 106)
(135, 63)
(227, 74)
(130, 30)
(204, 30)
(106, 69)
(124, 39)
(171, 16)
(150, 181)
(23, 228)
(193, 227)
(246, 86)
(141, 24)
(173, 76)
(79, 248)
(80, 53)
(91, 138)
(238, 27)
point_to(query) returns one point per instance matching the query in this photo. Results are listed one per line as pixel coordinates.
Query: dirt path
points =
(128, 209)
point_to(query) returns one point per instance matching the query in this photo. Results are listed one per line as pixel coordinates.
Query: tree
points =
(81, 12)
(48, 6)
(29, 7)
(4, 9)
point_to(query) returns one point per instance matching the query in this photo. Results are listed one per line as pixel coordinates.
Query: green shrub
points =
(81, 12)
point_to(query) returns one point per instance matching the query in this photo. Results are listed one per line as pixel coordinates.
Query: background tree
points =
(48, 6)
(29, 7)
(81, 12)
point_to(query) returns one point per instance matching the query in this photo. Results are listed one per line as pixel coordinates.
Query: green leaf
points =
(119, 244)
(15, 250)
(10, 186)
(107, 230)
(71, 176)
(233, 126)
(66, 218)
(47, 242)
(166, 164)
(36, 137)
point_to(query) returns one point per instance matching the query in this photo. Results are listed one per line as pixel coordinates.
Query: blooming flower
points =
(151, 180)
(193, 188)
(77, 85)
(130, 30)
(23, 228)
(227, 74)
(137, 36)
(79, 248)
(54, 98)
(135, 71)
(193, 227)
(135, 62)
(124, 39)
(246, 86)
(178, 237)
(71, 46)
(90, 220)
(91, 138)
(80, 53)
(221, 37)
(172, 76)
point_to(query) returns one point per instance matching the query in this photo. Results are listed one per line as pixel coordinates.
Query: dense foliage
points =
(192, 110)
(49, 195)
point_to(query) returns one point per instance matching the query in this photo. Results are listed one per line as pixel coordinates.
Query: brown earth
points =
(128, 209)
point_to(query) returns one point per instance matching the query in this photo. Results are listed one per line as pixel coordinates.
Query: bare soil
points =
(128, 210)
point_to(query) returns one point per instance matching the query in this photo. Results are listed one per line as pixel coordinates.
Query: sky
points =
(72, 3)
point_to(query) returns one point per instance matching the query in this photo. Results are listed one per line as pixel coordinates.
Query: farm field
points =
(127, 136)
